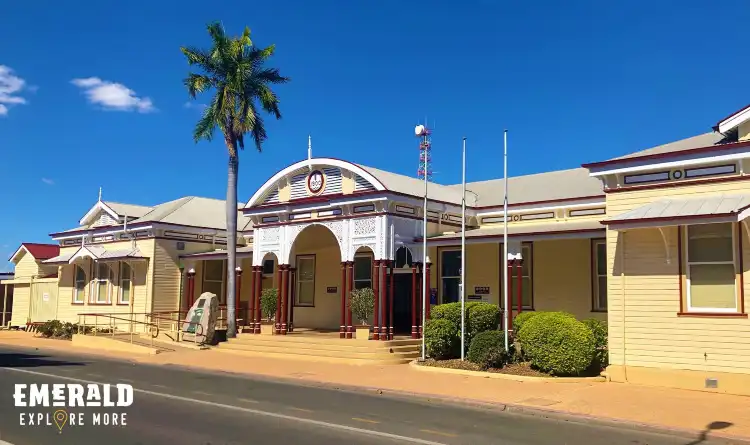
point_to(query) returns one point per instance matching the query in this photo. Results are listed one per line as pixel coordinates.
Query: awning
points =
(523, 232)
(673, 212)
(97, 253)
(221, 254)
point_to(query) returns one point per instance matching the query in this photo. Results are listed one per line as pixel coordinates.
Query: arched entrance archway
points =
(313, 297)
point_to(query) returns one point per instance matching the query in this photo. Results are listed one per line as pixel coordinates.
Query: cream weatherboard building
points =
(654, 242)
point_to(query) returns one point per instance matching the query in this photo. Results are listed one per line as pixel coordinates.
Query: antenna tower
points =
(425, 152)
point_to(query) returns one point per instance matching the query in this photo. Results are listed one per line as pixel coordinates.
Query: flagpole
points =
(425, 301)
(504, 265)
(463, 250)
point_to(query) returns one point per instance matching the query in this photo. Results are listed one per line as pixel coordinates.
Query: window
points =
(527, 281)
(79, 285)
(599, 274)
(102, 283)
(362, 271)
(305, 295)
(268, 266)
(213, 277)
(403, 257)
(450, 274)
(126, 283)
(710, 268)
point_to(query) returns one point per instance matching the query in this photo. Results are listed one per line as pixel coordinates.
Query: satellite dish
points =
(419, 130)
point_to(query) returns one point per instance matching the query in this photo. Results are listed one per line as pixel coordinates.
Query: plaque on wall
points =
(332, 289)
(482, 290)
(474, 297)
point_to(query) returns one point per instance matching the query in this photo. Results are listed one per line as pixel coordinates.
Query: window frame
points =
(369, 256)
(223, 286)
(120, 278)
(595, 275)
(443, 250)
(298, 281)
(76, 267)
(273, 267)
(688, 297)
(97, 280)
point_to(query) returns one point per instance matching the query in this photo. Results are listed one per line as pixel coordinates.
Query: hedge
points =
(62, 330)
(441, 338)
(599, 330)
(480, 317)
(556, 342)
(524, 316)
(488, 350)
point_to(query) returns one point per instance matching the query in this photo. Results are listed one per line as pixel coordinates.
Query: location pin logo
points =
(61, 418)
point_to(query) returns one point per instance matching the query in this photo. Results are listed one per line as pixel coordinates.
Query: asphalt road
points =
(177, 406)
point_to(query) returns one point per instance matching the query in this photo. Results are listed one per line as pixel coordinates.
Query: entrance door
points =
(402, 316)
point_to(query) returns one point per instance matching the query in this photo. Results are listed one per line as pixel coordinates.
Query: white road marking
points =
(320, 423)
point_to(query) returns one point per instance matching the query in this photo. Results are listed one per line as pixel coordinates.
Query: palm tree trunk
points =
(231, 207)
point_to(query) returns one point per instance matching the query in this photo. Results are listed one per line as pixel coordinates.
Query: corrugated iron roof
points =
(715, 205)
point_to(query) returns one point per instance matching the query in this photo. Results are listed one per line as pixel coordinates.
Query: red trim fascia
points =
(698, 150)
(667, 218)
(340, 217)
(559, 232)
(323, 198)
(546, 201)
(711, 315)
(678, 184)
(730, 116)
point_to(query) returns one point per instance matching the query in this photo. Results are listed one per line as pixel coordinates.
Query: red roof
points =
(42, 251)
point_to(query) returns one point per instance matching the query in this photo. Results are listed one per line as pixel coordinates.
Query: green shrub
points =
(441, 338)
(480, 317)
(362, 302)
(557, 343)
(599, 330)
(268, 300)
(522, 318)
(488, 350)
(451, 312)
(58, 329)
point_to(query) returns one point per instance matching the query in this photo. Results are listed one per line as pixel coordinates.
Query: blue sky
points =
(572, 81)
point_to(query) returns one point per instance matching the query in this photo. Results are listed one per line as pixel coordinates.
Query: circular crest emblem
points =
(315, 182)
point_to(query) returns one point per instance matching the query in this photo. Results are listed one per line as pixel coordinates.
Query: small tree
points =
(268, 299)
(362, 302)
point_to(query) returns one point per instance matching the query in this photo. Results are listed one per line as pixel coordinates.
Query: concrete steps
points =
(324, 348)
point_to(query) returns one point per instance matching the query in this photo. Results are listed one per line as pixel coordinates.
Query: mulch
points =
(522, 369)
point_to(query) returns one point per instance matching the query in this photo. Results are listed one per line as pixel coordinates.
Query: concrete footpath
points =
(693, 411)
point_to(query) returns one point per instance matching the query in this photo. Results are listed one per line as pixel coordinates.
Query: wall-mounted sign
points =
(332, 289)
(315, 182)
(482, 290)
(474, 297)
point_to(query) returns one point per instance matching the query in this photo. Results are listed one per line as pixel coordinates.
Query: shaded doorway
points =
(402, 315)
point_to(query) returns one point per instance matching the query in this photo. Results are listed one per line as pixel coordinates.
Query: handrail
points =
(153, 328)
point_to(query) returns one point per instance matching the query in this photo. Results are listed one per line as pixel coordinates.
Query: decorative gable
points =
(314, 177)
(103, 219)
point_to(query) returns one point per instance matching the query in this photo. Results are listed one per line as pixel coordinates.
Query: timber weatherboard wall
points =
(141, 285)
(645, 329)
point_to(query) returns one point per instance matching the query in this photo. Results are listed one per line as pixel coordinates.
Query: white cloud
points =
(10, 86)
(48, 181)
(195, 106)
(113, 96)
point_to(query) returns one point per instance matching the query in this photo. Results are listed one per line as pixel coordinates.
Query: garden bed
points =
(522, 369)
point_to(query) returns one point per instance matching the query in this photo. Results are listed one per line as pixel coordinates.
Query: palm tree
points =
(233, 69)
